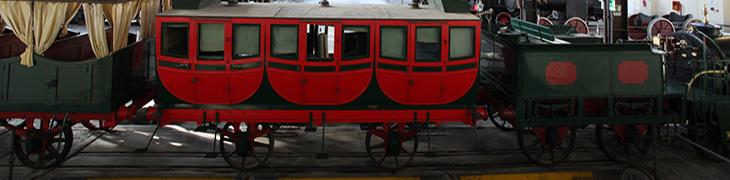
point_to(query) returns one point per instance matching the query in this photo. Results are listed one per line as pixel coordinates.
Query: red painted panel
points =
(178, 83)
(209, 87)
(244, 84)
(318, 88)
(212, 88)
(633, 72)
(412, 87)
(561, 73)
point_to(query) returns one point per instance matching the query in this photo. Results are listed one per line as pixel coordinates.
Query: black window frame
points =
(233, 42)
(473, 44)
(271, 40)
(367, 55)
(208, 58)
(162, 38)
(440, 47)
(405, 44)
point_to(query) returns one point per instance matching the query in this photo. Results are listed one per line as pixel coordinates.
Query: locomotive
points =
(244, 70)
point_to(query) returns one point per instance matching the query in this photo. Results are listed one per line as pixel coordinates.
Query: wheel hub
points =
(242, 144)
(394, 145)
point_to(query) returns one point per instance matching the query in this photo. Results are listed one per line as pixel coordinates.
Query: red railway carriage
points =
(391, 67)
(226, 50)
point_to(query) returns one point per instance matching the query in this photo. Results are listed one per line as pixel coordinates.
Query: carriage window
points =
(427, 44)
(284, 41)
(246, 40)
(175, 39)
(461, 44)
(320, 42)
(356, 42)
(211, 39)
(393, 42)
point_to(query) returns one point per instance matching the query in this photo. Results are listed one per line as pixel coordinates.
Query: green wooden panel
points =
(653, 84)
(101, 80)
(4, 77)
(36, 84)
(592, 68)
(73, 84)
(192, 4)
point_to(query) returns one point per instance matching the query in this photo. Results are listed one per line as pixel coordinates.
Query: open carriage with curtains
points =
(51, 79)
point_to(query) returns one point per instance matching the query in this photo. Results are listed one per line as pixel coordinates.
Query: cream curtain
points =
(2, 25)
(71, 11)
(149, 9)
(166, 5)
(94, 14)
(17, 15)
(120, 15)
(48, 18)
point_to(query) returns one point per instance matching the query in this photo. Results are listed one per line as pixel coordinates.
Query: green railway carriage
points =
(545, 87)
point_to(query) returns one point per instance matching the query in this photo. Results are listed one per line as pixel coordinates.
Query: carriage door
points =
(211, 80)
(312, 73)
(415, 65)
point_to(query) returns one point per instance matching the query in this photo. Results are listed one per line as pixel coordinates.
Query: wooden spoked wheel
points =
(578, 24)
(247, 146)
(544, 21)
(391, 146)
(624, 143)
(659, 27)
(546, 145)
(42, 143)
(503, 19)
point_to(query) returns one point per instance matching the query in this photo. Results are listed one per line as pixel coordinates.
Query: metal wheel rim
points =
(259, 158)
(566, 147)
(60, 144)
(617, 151)
(380, 159)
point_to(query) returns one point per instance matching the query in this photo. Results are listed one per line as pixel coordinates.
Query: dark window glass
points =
(246, 40)
(211, 41)
(320, 42)
(428, 47)
(356, 42)
(284, 41)
(393, 42)
(175, 39)
(461, 42)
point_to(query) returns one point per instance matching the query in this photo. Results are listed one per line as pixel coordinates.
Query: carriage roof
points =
(313, 11)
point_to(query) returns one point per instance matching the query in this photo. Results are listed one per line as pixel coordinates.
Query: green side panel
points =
(592, 69)
(192, 4)
(73, 84)
(101, 81)
(36, 84)
(89, 86)
(653, 84)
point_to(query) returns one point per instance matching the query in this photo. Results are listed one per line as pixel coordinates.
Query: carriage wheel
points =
(43, 145)
(503, 18)
(578, 24)
(95, 126)
(707, 132)
(246, 147)
(546, 146)
(501, 124)
(624, 143)
(394, 147)
(544, 21)
(659, 26)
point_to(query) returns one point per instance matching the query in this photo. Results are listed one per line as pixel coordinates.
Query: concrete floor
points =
(177, 151)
